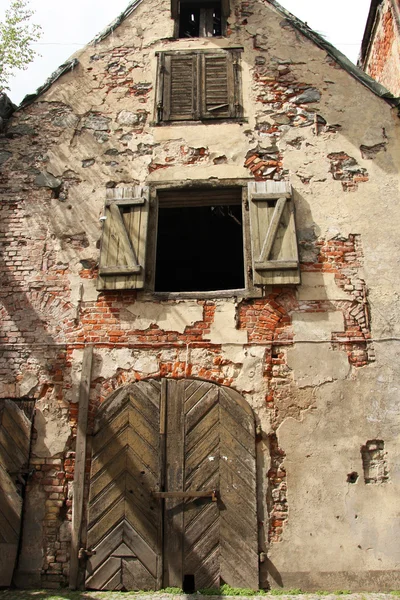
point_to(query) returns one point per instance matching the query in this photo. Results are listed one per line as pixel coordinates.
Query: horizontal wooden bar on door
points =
(213, 494)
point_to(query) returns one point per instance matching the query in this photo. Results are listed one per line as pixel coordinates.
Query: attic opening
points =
(200, 19)
(199, 240)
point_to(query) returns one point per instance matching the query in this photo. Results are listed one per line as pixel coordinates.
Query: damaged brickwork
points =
(381, 46)
(96, 129)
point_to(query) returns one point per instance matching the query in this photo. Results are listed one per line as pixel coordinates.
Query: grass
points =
(224, 590)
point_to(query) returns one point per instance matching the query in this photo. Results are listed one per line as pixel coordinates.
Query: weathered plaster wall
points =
(382, 60)
(315, 362)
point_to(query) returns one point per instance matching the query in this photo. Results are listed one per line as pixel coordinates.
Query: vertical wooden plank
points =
(173, 530)
(163, 423)
(138, 233)
(80, 461)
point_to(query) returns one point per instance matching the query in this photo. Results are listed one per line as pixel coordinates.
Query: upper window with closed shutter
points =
(196, 85)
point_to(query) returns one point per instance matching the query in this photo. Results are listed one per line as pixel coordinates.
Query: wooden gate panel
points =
(202, 457)
(15, 433)
(203, 436)
(239, 532)
(124, 526)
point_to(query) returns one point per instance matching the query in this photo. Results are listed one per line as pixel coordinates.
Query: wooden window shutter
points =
(180, 85)
(123, 243)
(273, 233)
(218, 85)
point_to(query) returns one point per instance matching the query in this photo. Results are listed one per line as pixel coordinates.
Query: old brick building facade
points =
(380, 51)
(200, 296)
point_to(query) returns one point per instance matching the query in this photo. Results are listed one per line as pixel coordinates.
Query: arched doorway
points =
(173, 489)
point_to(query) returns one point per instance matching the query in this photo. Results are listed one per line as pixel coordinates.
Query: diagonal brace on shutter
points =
(132, 265)
(263, 263)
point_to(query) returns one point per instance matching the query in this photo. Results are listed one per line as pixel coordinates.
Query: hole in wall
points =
(374, 462)
(188, 585)
(352, 477)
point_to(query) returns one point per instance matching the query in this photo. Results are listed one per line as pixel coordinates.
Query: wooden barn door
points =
(15, 435)
(173, 489)
(124, 525)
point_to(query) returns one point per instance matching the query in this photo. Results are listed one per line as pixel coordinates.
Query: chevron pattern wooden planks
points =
(205, 440)
(124, 528)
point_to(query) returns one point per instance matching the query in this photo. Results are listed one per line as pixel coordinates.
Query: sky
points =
(69, 25)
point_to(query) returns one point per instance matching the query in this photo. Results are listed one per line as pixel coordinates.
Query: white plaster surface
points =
(314, 364)
(320, 286)
(146, 364)
(169, 317)
(28, 383)
(222, 330)
(250, 378)
(52, 431)
(89, 292)
(310, 327)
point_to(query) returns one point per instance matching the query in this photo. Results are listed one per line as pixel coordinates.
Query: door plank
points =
(173, 531)
(202, 428)
(124, 519)
(100, 580)
(195, 392)
(199, 410)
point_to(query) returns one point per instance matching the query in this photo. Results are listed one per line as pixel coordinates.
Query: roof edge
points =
(339, 57)
(70, 64)
(64, 68)
(114, 24)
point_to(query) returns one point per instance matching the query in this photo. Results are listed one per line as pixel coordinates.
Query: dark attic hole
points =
(199, 241)
(352, 477)
(200, 18)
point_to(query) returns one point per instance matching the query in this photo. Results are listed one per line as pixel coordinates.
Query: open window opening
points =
(199, 240)
(200, 19)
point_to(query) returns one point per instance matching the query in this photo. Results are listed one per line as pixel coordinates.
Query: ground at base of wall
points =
(283, 594)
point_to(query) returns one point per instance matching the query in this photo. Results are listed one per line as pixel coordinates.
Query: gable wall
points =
(317, 363)
(382, 61)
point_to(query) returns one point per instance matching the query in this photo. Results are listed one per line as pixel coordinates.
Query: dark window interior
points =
(200, 19)
(199, 241)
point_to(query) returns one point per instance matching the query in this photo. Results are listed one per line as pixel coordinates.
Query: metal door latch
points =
(85, 553)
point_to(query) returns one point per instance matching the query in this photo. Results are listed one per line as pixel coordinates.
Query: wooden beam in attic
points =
(225, 8)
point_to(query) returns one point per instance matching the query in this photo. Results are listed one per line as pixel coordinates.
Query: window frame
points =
(248, 291)
(225, 12)
(200, 114)
(129, 232)
(205, 23)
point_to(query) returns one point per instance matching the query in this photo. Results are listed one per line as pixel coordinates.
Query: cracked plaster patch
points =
(168, 317)
(320, 286)
(223, 330)
(309, 327)
(146, 364)
(315, 364)
(52, 432)
(250, 378)
(27, 384)
(89, 292)
(105, 364)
